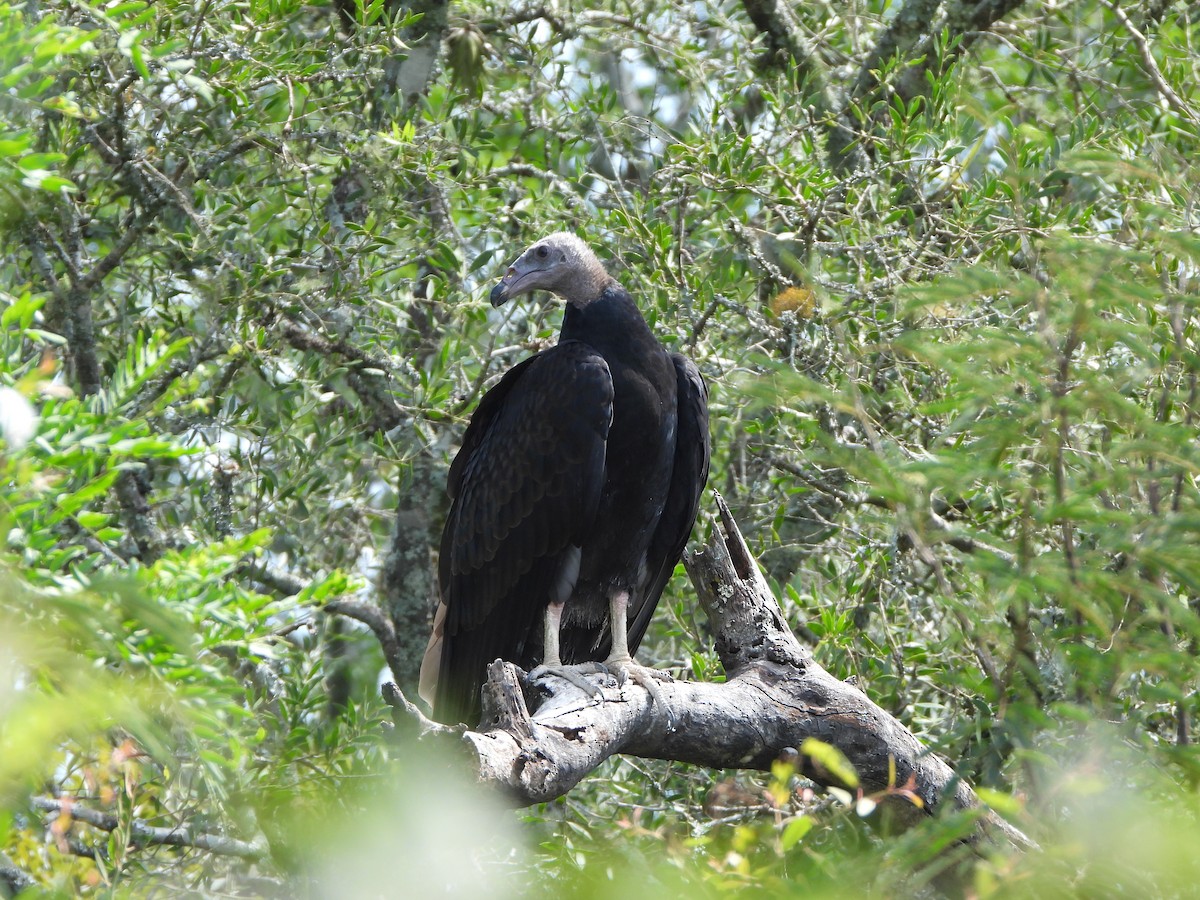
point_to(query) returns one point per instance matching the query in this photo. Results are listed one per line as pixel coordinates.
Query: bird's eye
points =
(541, 252)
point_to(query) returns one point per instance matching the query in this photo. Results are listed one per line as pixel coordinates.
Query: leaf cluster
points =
(244, 249)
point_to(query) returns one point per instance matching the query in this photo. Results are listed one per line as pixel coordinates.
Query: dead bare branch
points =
(775, 697)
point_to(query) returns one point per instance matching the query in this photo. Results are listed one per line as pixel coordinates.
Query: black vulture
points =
(573, 493)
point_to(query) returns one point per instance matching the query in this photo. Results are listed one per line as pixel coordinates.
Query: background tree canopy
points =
(939, 261)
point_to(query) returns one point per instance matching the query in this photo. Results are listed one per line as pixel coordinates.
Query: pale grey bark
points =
(774, 698)
(143, 834)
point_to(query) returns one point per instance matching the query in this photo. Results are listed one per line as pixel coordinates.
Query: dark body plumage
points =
(578, 478)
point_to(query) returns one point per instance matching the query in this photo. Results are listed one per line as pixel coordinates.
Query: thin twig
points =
(142, 833)
(1150, 66)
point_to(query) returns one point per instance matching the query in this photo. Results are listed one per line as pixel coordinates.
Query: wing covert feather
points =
(525, 486)
(688, 477)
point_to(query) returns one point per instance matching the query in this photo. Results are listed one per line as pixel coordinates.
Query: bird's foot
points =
(574, 674)
(626, 668)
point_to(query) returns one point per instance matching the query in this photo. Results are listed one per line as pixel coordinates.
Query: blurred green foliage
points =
(243, 255)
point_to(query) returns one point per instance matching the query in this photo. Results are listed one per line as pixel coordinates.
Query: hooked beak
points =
(501, 292)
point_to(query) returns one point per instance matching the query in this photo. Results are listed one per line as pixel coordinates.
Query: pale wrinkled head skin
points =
(560, 263)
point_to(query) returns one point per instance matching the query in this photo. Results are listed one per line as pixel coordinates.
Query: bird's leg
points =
(620, 661)
(623, 665)
(618, 617)
(550, 651)
(551, 661)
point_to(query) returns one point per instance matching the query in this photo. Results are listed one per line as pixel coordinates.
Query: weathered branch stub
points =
(774, 698)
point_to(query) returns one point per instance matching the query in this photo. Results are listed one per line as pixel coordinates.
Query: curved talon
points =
(573, 674)
(621, 670)
(629, 669)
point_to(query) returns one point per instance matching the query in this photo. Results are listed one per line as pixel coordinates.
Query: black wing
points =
(525, 488)
(688, 478)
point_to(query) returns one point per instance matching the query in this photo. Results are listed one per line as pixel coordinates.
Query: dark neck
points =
(610, 323)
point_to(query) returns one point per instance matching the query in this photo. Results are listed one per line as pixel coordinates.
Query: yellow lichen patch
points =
(799, 300)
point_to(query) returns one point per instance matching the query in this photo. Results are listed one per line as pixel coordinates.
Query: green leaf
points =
(794, 832)
(831, 761)
(1003, 803)
(39, 160)
(92, 520)
(15, 146)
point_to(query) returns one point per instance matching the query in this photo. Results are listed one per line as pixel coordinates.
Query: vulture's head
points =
(561, 264)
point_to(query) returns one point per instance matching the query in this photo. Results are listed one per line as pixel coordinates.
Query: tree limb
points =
(408, 573)
(367, 376)
(912, 21)
(375, 619)
(275, 579)
(965, 21)
(13, 879)
(775, 697)
(142, 833)
(911, 36)
(138, 516)
(776, 21)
